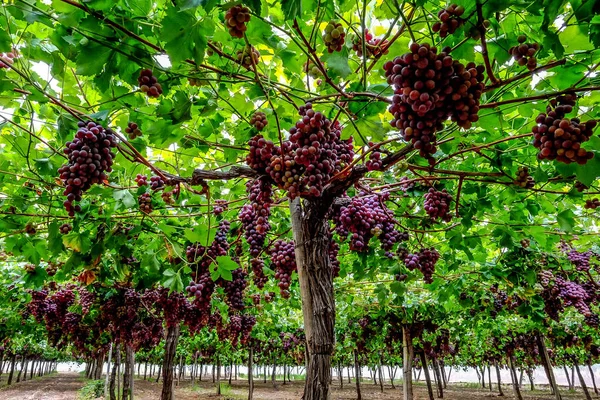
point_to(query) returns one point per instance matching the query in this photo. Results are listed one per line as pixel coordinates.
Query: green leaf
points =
(172, 281)
(226, 262)
(91, 58)
(125, 197)
(337, 63)
(566, 220)
(80, 243)
(291, 9)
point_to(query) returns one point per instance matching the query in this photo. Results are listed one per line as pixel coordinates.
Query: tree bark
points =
(145, 369)
(581, 381)
(311, 235)
(357, 369)
(113, 375)
(589, 364)
(548, 365)
(529, 373)
(489, 368)
(513, 375)
(25, 364)
(483, 376)
(341, 378)
(500, 392)
(250, 379)
(273, 373)
(218, 375)
(440, 380)
(408, 354)
(13, 361)
(108, 370)
(127, 371)
(231, 371)
(426, 371)
(158, 374)
(167, 367)
(443, 372)
(380, 375)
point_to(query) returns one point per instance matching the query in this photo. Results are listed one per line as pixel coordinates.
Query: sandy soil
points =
(64, 386)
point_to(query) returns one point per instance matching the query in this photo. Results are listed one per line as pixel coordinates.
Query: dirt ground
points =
(64, 386)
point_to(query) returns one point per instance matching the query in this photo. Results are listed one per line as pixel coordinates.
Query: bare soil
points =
(64, 386)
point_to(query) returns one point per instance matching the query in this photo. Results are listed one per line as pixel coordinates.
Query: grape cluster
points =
(525, 243)
(156, 183)
(149, 84)
(90, 159)
(333, 251)
(261, 152)
(429, 88)
(29, 268)
(202, 289)
(133, 130)
(145, 203)
(312, 69)
(334, 36)
(424, 261)
(500, 300)
(141, 180)
(255, 298)
(7, 59)
(236, 19)
(255, 214)
(259, 120)
(437, 204)
(269, 297)
(366, 217)
(592, 204)
(450, 20)
(313, 154)
(258, 274)
(52, 268)
(234, 289)
(574, 295)
(220, 207)
(65, 228)
(375, 162)
(581, 260)
(283, 258)
(560, 138)
(248, 57)
(580, 186)
(30, 228)
(524, 53)
(167, 197)
(523, 179)
(374, 46)
(400, 277)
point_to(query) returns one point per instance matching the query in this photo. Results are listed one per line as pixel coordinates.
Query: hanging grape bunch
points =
(65, 228)
(259, 120)
(132, 130)
(592, 204)
(236, 19)
(580, 187)
(156, 183)
(375, 162)
(141, 180)
(437, 204)
(525, 243)
(283, 258)
(374, 46)
(220, 207)
(523, 179)
(429, 88)
(312, 70)
(524, 53)
(259, 277)
(149, 84)
(334, 36)
(255, 214)
(248, 57)
(424, 261)
(234, 289)
(145, 203)
(90, 158)
(560, 138)
(450, 20)
(261, 152)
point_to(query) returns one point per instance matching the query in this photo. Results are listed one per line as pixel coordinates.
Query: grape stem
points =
(540, 97)
(484, 51)
(525, 75)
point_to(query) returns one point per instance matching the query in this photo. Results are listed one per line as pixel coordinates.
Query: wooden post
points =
(548, 365)
(250, 377)
(167, 366)
(357, 369)
(581, 381)
(500, 392)
(407, 351)
(426, 372)
(513, 374)
(589, 364)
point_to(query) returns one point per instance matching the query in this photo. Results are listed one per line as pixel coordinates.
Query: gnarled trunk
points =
(13, 361)
(113, 376)
(250, 378)
(407, 355)
(357, 369)
(311, 235)
(426, 371)
(589, 364)
(500, 392)
(440, 383)
(167, 367)
(513, 375)
(581, 381)
(548, 365)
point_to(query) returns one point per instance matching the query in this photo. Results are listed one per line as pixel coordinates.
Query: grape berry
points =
(149, 84)
(132, 130)
(437, 204)
(374, 46)
(524, 53)
(259, 120)
(334, 36)
(450, 20)
(236, 19)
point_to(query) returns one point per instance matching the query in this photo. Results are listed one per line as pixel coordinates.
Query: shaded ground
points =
(50, 387)
(64, 386)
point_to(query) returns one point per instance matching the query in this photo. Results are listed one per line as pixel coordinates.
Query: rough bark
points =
(341, 378)
(167, 367)
(548, 365)
(13, 361)
(500, 392)
(515, 380)
(489, 368)
(582, 381)
(440, 383)
(568, 377)
(145, 370)
(483, 376)
(250, 378)
(127, 371)
(426, 371)
(273, 374)
(408, 354)
(32, 369)
(311, 235)
(357, 369)
(231, 372)
(589, 364)
(443, 372)
(218, 375)
(113, 375)
(108, 371)
(380, 375)
(529, 373)
(24, 369)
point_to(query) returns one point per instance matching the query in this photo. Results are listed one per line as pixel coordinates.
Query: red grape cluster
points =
(366, 217)
(259, 120)
(248, 57)
(437, 204)
(580, 186)
(255, 214)
(450, 20)
(156, 183)
(145, 203)
(7, 59)
(424, 261)
(560, 138)
(525, 243)
(574, 295)
(255, 298)
(581, 260)
(90, 159)
(374, 46)
(592, 204)
(234, 289)
(334, 36)
(220, 207)
(283, 258)
(375, 163)
(259, 277)
(261, 152)
(141, 180)
(133, 130)
(269, 297)
(236, 19)
(149, 84)
(500, 300)
(431, 87)
(65, 228)
(524, 53)
(314, 153)
(202, 289)
(523, 179)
